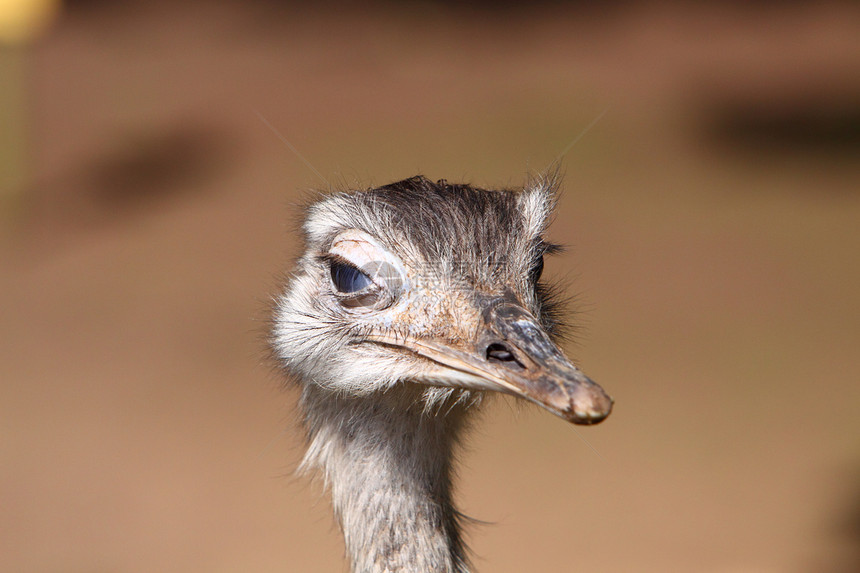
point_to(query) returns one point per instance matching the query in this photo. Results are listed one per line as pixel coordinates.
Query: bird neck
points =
(388, 462)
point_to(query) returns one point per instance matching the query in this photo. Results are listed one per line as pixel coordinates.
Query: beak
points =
(514, 355)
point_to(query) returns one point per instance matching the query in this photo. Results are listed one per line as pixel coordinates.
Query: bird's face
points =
(370, 307)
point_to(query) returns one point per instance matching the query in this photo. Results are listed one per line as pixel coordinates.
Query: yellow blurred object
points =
(21, 21)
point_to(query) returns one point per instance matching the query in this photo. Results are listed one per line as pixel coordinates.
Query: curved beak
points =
(514, 355)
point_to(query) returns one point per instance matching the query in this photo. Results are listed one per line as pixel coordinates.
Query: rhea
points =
(412, 302)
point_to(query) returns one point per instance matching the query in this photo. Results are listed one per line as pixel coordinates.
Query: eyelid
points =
(536, 269)
(329, 259)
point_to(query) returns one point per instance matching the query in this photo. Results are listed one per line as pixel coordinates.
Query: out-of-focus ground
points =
(713, 215)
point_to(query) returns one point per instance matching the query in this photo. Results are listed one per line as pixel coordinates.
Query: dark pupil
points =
(537, 270)
(347, 278)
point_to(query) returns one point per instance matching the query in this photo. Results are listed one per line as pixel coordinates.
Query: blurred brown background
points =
(713, 215)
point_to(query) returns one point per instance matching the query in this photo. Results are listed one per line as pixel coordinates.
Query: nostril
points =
(498, 352)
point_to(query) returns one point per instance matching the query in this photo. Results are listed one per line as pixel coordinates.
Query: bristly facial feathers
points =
(411, 302)
(450, 238)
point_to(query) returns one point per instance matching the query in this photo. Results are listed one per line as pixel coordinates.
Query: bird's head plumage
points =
(434, 284)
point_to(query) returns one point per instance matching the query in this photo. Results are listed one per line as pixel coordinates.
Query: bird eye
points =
(536, 270)
(347, 278)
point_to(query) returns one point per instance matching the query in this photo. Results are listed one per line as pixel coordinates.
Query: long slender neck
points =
(388, 464)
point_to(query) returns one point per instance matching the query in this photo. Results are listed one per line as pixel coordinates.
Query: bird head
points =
(431, 284)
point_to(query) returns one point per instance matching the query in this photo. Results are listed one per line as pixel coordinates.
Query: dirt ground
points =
(713, 219)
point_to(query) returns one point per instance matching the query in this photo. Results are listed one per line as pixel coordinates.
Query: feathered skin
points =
(412, 302)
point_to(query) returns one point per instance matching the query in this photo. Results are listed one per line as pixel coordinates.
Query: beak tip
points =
(592, 412)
